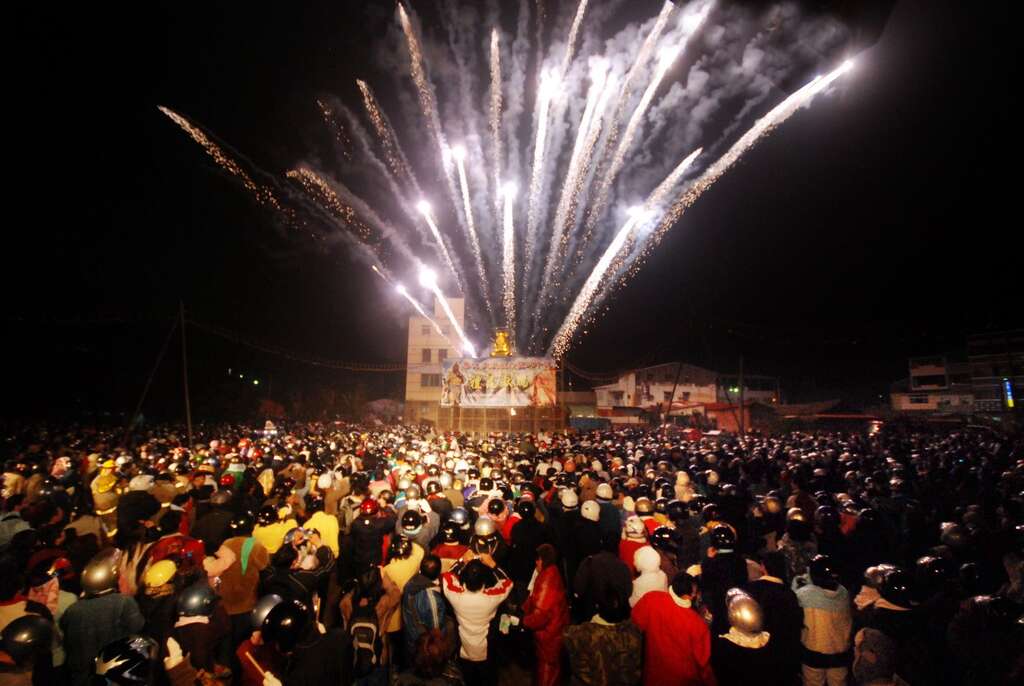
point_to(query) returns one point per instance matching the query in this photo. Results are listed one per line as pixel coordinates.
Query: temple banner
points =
(499, 382)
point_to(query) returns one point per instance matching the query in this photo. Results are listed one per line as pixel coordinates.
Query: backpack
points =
(366, 640)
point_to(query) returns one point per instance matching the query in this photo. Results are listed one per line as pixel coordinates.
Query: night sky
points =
(874, 226)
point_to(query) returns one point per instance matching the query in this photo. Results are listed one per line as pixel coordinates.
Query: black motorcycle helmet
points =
(697, 504)
(198, 600)
(823, 573)
(433, 487)
(412, 522)
(677, 510)
(27, 637)
(450, 532)
(286, 624)
(897, 587)
(241, 524)
(486, 484)
(267, 515)
(710, 513)
(667, 491)
(722, 537)
(400, 548)
(495, 507)
(526, 509)
(262, 608)
(933, 573)
(661, 505)
(127, 661)
(827, 517)
(662, 539)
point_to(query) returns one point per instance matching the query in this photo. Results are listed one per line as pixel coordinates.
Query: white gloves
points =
(174, 656)
(270, 680)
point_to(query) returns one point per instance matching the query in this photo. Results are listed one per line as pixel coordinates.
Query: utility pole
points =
(743, 423)
(184, 371)
(672, 396)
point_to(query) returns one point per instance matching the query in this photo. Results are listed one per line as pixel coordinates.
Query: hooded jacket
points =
(651, 578)
(597, 576)
(604, 654)
(546, 613)
(677, 645)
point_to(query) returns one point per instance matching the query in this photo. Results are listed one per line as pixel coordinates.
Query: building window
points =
(668, 396)
(446, 329)
(442, 354)
(918, 400)
(684, 396)
(425, 329)
(430, 380)
(426, 355)
(617, 396)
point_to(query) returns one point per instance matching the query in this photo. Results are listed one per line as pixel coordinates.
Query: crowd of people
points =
(341, 554)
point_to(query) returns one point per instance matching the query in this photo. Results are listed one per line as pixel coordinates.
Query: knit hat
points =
(591, 510)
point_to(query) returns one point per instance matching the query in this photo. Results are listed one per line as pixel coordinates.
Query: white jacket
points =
(474, 612)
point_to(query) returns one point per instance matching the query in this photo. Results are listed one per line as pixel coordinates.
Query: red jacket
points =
(546, 612)
(627, 549)
(677, 643)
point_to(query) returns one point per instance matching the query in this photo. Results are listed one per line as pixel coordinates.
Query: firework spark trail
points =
(764, 126)
(322, 193)
(583, 301)
(459, 155)
(428, 279)
(404, 292)
(573, 33)
(571, 187)
(397, 162)
(495, 117)
(665, 61)
(548, 87)
(428, 103)
(509, 259)
(424, 208)
(560, 343)
(340, 135)
(263, 194)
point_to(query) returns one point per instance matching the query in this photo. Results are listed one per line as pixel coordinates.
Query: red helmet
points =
(227, 481)
(369, 507)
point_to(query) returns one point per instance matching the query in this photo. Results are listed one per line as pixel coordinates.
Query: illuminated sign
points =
(1008, 389)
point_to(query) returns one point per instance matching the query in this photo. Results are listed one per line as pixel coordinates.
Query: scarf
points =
(744, 640)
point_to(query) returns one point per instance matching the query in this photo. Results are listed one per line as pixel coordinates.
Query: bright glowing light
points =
(635, 211)
(255, 382)
(847, 65)
(423, 207)
(428, 278)
(468, 348)
(400, 289)
(666, 56)
(549, 84)
(458, 153)
(509, 189)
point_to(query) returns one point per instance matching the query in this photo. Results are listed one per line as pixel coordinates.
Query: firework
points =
(573, 32)
(318, 189)
(402, 291)
(495, 116)
(548, 87)
(385, 132)
(509, 258)
(459, 155)
(424, 208)
(428, 279)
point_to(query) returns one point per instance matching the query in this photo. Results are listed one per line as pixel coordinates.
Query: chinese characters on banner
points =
(499, 382)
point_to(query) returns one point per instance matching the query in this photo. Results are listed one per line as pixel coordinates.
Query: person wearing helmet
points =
(306, 655)
(272, 523)
(212, 527)
(585, 538)
(611, 516)
(546, 614)
(677, 642)
(451, 547)
(101, 616)
(423, 608)
(798, 544)
(783, 616)
(746, 649)
(723, 569)
(645, 510)
(525, 537)
(201, 626)
(130, 661)
(475, 594)
(487, 540)
(893, 617)
(418, 522)
(239, 581)
(651, 577)
(158, 599)
(26, 643)
(404, 558)
(634, 537)
(436, 497)
(367, 537)
(827, 623)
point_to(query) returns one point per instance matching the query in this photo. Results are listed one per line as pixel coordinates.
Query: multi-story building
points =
(428, 350)
(934, 384)
(762, 389)
(650, 389)
(997, 370)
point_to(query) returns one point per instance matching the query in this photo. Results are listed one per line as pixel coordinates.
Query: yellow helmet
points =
(159, 573)
(104, 482)
(108, 464)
